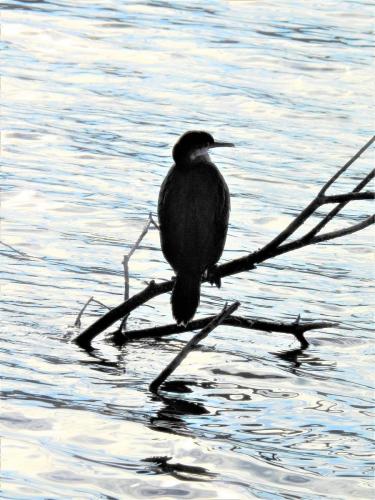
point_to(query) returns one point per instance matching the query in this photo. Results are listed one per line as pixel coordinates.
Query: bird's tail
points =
(185, 297)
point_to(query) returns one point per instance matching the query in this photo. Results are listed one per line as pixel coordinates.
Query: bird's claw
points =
(213, 276)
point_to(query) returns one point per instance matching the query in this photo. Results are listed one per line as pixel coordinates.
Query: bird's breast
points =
(192, 201)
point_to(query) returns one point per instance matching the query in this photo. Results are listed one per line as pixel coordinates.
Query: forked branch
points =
(125, 262)
(275, 247)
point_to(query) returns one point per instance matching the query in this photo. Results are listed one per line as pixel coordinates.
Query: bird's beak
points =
(217, 144)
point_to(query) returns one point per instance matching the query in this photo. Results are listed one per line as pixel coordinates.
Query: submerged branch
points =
(215, 321)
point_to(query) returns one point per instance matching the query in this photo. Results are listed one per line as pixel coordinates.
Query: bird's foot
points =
(213, 276)
(184, 324)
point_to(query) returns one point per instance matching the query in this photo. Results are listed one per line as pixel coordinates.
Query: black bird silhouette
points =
(193, 214)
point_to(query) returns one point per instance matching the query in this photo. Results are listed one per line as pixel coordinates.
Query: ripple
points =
(94, 98)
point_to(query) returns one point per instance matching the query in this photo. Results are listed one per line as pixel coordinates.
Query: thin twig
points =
(133, 249)
(346, 166)
(217, 320)
(100, 303)
(77, 322)
(338, 208)
(105, 321)
(125, 264)
(300, 243)
(154, 222)
(343, 232)
(126, 259)
(142, 235)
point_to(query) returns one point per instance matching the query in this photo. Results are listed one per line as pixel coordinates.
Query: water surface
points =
(94, 96)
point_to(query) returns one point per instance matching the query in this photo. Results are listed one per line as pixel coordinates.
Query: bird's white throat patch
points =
(199, 153)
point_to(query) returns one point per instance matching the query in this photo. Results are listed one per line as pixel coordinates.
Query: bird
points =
(193, 213)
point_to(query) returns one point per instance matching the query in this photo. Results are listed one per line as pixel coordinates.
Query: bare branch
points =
(339, 207)
(125, 263)
(345, 198)
(302, 242)
(248, 262)
(154, 222)
(217, 320)
(343, 232)
(100, 303)
(312, 206)
(296, 328)
(346, 166)
(127, 257)
(141, 236)
(229, 268)
(364, 181)
(77, 322)
(151, 291)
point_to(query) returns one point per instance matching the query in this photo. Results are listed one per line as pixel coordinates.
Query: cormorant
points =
(193, 212)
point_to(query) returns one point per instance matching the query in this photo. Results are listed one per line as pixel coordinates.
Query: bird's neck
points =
(188, 158)
(199, 154)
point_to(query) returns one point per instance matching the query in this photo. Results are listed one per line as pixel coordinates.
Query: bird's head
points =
(194, 144)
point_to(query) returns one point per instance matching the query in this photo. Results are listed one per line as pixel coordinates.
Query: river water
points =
(94, 96)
